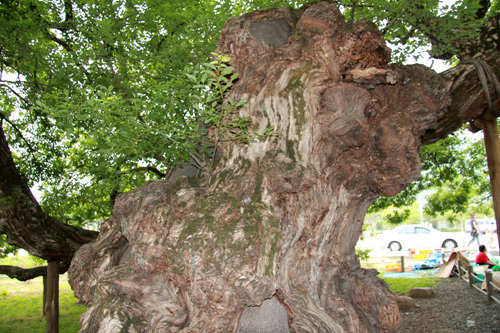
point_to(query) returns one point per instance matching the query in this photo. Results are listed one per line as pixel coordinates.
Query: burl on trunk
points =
(273, 223)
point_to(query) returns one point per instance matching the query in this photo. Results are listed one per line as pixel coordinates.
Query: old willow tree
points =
(262, 239)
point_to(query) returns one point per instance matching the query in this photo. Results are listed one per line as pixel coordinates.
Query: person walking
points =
(474, 230)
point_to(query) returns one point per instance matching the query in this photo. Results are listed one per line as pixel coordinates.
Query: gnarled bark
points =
(277, 219)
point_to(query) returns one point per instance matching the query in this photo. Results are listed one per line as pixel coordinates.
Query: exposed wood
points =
(52, 300)
(490, 290)
(44, 301)
(446, 269)
(492, 146)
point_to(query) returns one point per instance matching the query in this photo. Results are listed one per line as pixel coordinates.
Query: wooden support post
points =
(492, 146)
(459, 265)
(44, 293)
(470, 272)
(489, 288)
(52, 300)
(402, 264)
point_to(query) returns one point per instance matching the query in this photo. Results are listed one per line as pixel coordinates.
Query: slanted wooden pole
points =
(52, 298)
(492, 145)
(489, 125)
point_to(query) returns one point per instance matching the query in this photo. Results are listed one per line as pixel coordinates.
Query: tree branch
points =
(485, 5)
(152, 169)
(59, 41)
(25, 274)
(68, 10)
(390, 24)
(15, 93)
(24, 222)
(2, 117)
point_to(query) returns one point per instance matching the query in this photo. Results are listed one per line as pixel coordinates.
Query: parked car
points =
(418, 236)
(483, 224)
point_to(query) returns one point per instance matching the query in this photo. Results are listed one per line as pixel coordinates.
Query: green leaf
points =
(241, 102)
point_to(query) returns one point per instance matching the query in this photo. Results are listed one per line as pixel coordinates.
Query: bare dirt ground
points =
(454, 308)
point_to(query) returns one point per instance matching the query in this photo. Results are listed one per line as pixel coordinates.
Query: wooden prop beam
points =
(489, 125)
(52, 298)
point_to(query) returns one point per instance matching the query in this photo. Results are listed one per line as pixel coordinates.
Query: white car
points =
(483, 224)
(418, 236)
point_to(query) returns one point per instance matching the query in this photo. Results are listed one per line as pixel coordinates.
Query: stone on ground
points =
(426, 292)
(405, 302)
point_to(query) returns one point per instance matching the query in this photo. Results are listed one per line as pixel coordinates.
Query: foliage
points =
(95, 98)
(6, 249)
(401, 286)
(218, 112)
(398, 216)
(412, 25)
(466, 189)
(363, 254)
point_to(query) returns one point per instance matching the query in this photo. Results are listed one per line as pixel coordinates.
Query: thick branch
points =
(468, 100)
(25, 274)
(25, 224)
(467, 94)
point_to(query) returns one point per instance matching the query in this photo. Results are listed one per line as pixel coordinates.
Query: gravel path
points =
(453, 308)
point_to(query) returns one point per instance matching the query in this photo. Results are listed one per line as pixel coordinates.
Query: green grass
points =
(401, 286)
(21, 303)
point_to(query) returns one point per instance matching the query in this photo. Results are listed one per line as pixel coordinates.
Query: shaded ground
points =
(454, 306)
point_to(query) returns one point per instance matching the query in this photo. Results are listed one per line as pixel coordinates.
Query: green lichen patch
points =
(241, 234)
(290, 151)
(274, 244)
(257, 194)
(296, 88)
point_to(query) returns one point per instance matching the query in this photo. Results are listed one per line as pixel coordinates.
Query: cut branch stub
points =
(278, 217)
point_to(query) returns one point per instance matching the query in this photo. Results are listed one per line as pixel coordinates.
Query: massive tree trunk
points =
(274, 223)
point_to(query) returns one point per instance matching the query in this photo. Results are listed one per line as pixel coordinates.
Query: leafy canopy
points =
(96, 98)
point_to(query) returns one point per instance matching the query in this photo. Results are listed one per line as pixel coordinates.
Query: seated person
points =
(482, 258)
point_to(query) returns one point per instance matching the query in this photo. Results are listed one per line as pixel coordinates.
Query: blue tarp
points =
(412, 274)
(433, 261)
